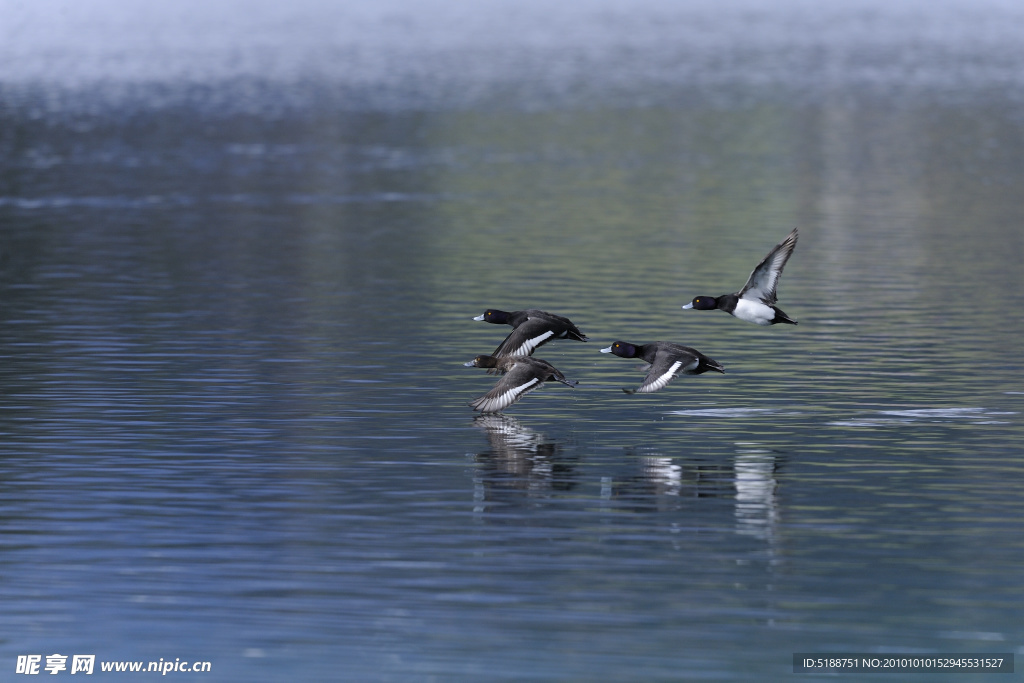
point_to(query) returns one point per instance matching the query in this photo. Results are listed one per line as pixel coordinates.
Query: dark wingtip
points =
(628, 391)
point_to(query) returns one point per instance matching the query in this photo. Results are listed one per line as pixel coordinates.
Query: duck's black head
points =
(482, 362)
(493, 315)
(703, 303)
(623, 349)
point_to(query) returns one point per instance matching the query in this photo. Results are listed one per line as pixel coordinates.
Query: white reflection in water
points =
(757, 512)
(750, 482)
(509, 438)
(519, 459)
(989, 636)
(663, 480)
(919, 415)
(664, 474)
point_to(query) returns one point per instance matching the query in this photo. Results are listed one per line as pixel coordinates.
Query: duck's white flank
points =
(754, 312)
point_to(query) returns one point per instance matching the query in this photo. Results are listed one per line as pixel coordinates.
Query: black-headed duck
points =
(756, 301)
(520, 375)
(532, 328)
(667, 360)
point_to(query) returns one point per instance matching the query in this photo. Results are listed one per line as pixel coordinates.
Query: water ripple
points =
(929, 415)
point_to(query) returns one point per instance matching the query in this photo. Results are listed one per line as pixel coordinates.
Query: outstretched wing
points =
(657, 379)
(512, 386)
(522, 341)
(503, 395)
(763, 281)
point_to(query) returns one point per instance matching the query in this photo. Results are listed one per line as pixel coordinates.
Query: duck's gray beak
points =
(470, 364)
(608, 350)
(479, 317)
(689, 305)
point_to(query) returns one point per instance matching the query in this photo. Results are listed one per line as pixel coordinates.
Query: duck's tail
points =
(781, 317)
(711, 364)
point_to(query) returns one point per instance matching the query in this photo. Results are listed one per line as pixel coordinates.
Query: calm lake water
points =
(238, 269)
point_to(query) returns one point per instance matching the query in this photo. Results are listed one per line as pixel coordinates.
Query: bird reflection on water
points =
(519, 459)
(523, 464)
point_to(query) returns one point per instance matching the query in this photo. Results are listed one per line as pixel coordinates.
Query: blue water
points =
(241, 250)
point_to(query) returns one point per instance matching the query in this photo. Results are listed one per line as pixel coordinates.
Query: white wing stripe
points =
(490, 404)
(660, 382)
(529, 345)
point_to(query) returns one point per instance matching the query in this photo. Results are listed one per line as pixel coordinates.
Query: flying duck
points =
(520, 375)
(755, 303)
(533, 328)
(667, 360)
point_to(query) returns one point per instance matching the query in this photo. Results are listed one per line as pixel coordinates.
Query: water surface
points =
(233, 420)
